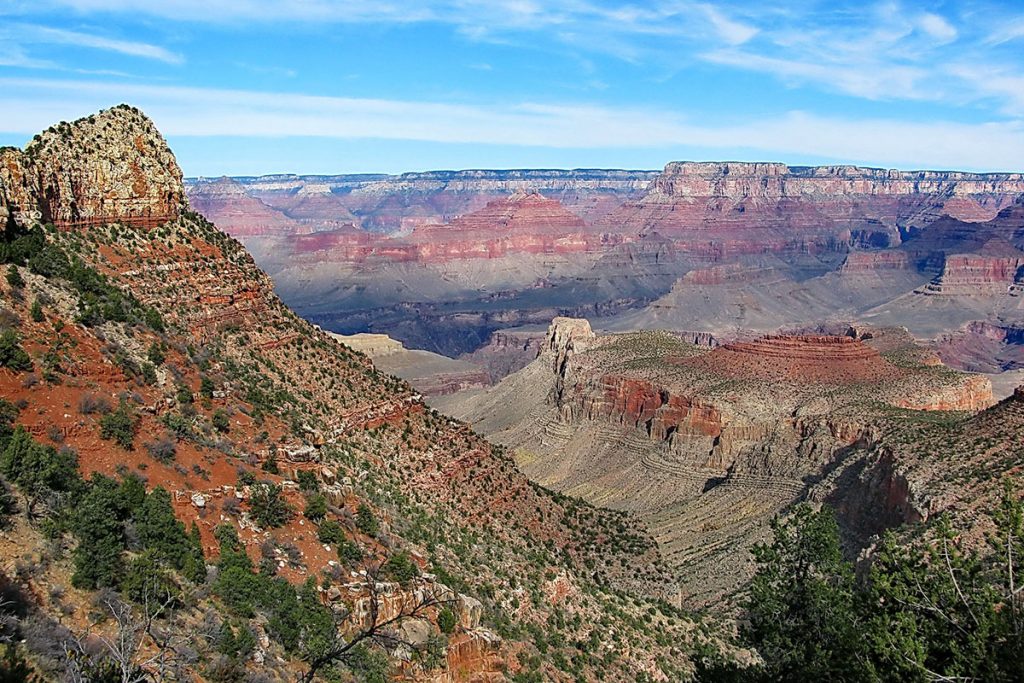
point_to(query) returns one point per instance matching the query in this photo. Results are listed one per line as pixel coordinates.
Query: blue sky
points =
(330, 86)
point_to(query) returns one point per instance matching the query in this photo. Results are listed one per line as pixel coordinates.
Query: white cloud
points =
(732, 32)
(937, 27)
(14, 37)
(42, 34)
(875, 82)
(1008, 30)
(34, 104)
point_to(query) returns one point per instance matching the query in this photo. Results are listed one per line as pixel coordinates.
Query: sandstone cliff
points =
(107, 168)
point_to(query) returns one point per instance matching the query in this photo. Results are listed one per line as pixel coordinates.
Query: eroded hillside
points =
(148, 346)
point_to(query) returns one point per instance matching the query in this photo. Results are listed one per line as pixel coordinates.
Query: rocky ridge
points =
(295, 401)
(113, 166)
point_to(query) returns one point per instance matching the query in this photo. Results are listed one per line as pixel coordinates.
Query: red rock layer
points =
(871, 261)
(522, 223)
(818, 359)
(974, 274)
(639, 403)
(716, 210)
(225, 202)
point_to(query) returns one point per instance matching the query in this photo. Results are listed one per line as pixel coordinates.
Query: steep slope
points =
(705, 444)
(239, 389)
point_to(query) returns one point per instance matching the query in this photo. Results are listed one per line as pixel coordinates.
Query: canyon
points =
(443, 260)
(570, 401)
(707, 444)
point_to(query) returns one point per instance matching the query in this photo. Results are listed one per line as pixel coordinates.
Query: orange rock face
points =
(826, 359)
(640, 403)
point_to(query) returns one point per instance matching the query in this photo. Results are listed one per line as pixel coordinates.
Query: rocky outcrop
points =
(373, 345)
(977, 275)
(974, 393)
(107, 168)
(824, 359)
(858, 262)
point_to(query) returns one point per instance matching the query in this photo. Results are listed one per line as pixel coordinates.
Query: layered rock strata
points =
(112, 167)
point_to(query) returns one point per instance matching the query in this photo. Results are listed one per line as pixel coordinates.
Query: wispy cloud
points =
(210, 112)
(888, 51)
(16, 37)
(620, 28)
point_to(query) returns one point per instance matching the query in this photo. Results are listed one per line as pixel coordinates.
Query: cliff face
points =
(978, 275)
(737, 181)
(755, 208)
(107, 168)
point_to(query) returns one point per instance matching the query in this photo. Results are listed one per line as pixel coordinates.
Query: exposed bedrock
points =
(978, 275)
(981, 346)
(111, 167)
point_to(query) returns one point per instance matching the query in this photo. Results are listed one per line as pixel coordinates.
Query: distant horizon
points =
(585, 169)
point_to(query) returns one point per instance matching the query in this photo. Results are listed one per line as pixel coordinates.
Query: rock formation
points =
(706, 444)
(401, 255)
(819, 359)
(112, 167)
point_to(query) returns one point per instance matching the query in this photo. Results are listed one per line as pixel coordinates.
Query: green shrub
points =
(206, 387)
(37, 311)
(12, 356)
(401, 568)
(446, 620)
(268, 506)
(330, 532)
(120, 426)
(147, 583)
(220, 420)
(14, 278)
(156, 354)
(349, 553)
(307, 481)
(316, 507)
(366, 521)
